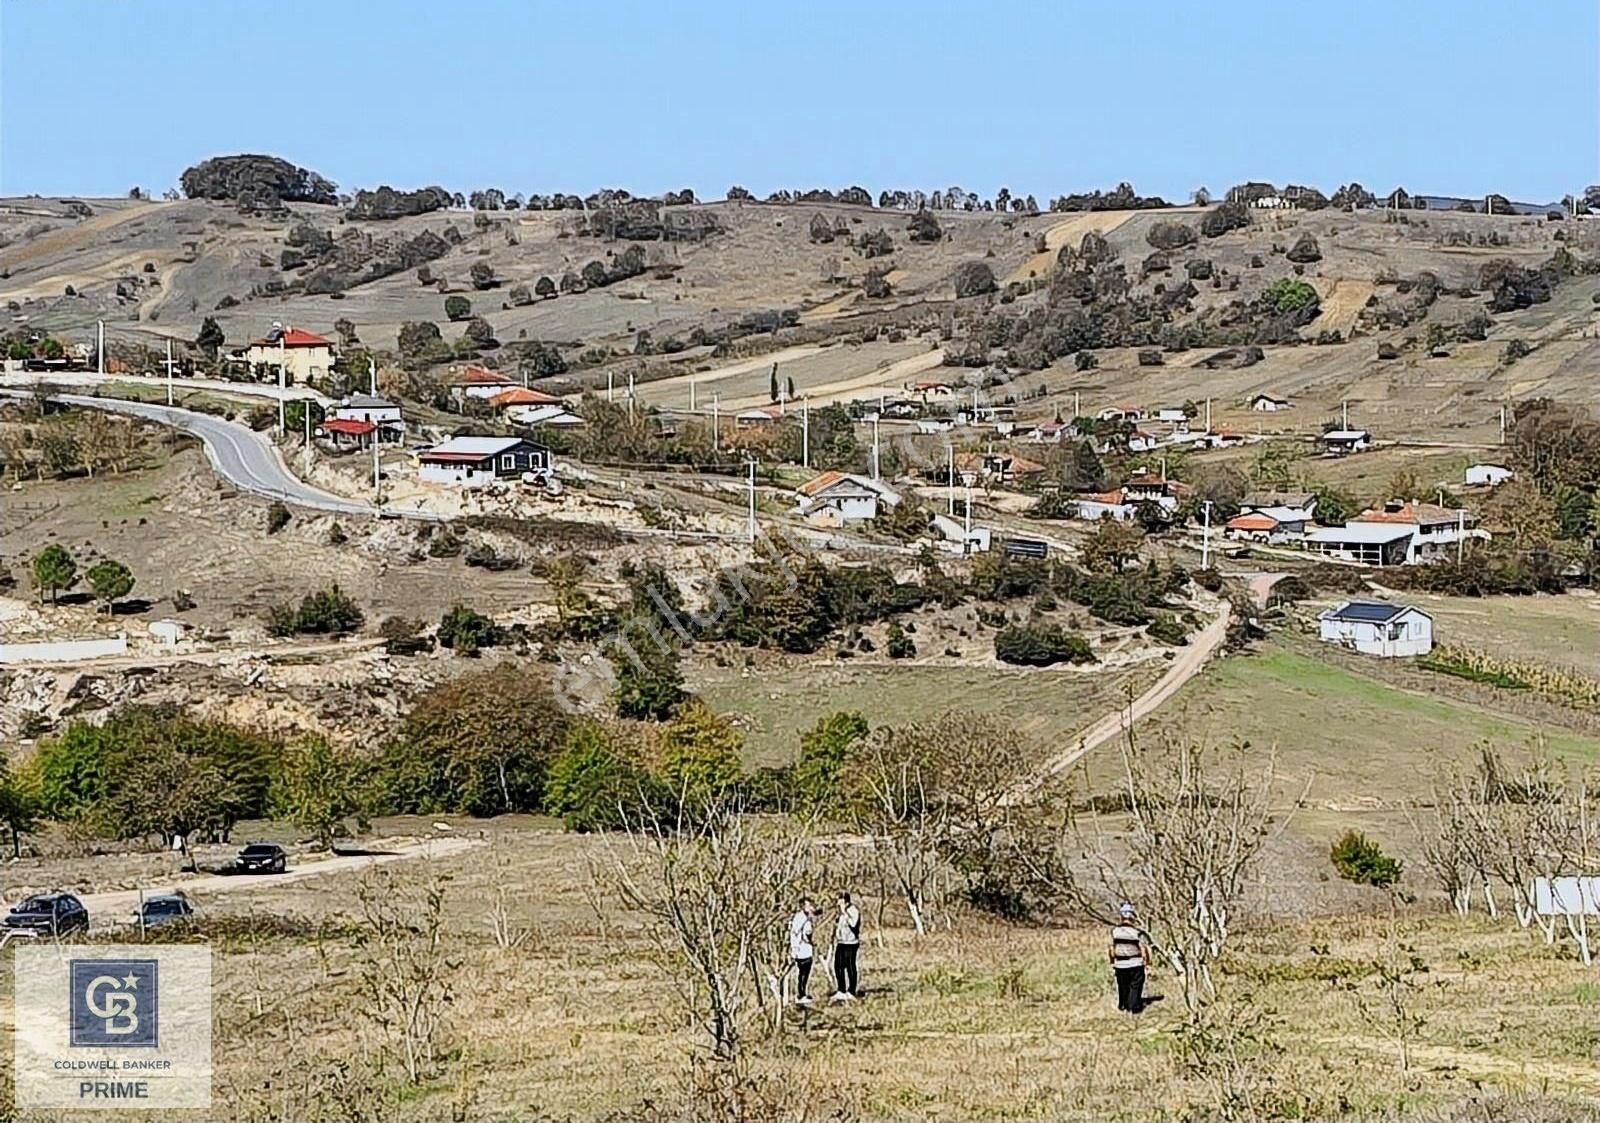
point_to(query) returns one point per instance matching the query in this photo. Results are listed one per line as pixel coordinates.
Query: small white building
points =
(380, 413)
(1488, 475)
(1094, 506)
(1267, 403)
(1172, 415)
(954, 536)
(1377, 628)
(478, 382)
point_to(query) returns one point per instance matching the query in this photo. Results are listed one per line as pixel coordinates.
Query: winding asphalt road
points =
(245, 458)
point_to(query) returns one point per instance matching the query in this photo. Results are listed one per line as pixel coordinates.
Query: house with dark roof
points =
(1377, 628)
(480, 461)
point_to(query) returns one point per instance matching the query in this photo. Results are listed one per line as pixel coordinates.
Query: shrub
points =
(924, 228)
(1305, 250)
(544, 288)
(1223, 218)
(1040, 645)
(277, 517)
(482, 275)
(974, 278)
(326, 612)
(1171, 235)
(900, 645)
(1289, 295)
(1169, 629)
(592, 787)
(1357, 858)
(466, 631)
(457, 308)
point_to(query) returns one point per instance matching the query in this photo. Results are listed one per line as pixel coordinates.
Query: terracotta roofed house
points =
(304, 355)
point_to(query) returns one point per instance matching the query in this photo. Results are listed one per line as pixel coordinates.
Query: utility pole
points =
(966, 537)
(305, 411)
(372, 376)
(1205, 542)
(169, 383)
(377, 475)
(950, 479)
(283, 359)
(752, 530)
(1208, 415)
(1502, 424)
(874, 446)
(630, 393)
(716, 442)
(1077, 411)
(100, 346)
(805, 432)
(691, 393)
(1344, 406)
(611, 383)
(1461, 535)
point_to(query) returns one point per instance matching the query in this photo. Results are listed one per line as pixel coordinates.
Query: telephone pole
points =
(1205, 542)
(283, 359)
(752, 529)
(805, 432)
(169, 382)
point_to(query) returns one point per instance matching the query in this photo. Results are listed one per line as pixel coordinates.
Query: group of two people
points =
(846, 946)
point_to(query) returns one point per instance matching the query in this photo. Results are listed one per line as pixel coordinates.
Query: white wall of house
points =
(457, 475)
(1094, 509)
(1410, 633)
(385, 416)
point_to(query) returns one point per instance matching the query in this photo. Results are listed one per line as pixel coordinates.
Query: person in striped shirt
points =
(1128, 960)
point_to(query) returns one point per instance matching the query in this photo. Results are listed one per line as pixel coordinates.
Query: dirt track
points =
(108, 910)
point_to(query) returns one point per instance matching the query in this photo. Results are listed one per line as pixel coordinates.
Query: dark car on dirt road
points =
(48, 914)
(262, 857)
(164, 909)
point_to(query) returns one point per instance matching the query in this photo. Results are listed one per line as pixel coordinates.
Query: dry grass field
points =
(975, 1020)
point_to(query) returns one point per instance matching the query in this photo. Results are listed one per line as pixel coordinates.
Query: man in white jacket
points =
(801, 949)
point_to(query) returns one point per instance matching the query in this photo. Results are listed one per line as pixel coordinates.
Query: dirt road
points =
(1185, 666)
(107, 910)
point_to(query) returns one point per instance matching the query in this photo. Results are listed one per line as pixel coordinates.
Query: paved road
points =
(267, 390)
(107, 910)
(245, 458)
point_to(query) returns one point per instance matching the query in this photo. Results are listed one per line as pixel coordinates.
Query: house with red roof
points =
(835, 498)
(347, 432)
(473, 381)
(305, 356)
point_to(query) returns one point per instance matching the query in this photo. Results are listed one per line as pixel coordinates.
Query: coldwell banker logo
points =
(116, 1003)
(114, 1026)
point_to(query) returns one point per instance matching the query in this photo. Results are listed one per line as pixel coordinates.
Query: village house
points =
(1377, 544)
(1268, 403)
(479, 461)
(1488, 475)
(933, 391)
(1147, 487)
(953, 536)
(478, 382)
(1261, 526)
(1293, 506)
(305, 356)
(1172, 415)
(347, 432)
(1436, 532)
(1051, 432)
(1342, 442)
(1377, 628)
(996, 468)
(1120, 413)
(1096, 505)
(522, 406)
(836, 498)
(758, 418)
(1140, 441)
(381, 413)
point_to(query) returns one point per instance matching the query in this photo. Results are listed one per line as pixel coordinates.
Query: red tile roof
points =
(1253, 522)
(821, 483)
(1112, 497)
(295, 337)
(521, 396)
(347, 425)
(480, 376)
(1411, 514)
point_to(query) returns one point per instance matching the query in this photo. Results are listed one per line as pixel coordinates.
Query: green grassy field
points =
(1357, 740)
(775, 705)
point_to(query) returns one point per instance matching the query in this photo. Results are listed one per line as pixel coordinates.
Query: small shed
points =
(1488, 475)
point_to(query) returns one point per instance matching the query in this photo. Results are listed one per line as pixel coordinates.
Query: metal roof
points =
(472, 446)
(1368, 612)
(1361, 533)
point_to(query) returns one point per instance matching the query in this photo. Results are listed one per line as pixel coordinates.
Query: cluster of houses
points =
(1399, 532)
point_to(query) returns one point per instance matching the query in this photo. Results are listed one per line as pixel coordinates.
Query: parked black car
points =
(49, 914)
(262, 857)
(163, 910)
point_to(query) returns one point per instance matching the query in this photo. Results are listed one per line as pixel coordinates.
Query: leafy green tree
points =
(592, 786)
(54, 570)
(466, 631)
(328, 611)
(1113, 544)
(211, 337)
(899, 645)
(1334, 507)
(700, 754)
(478, 744)
(1572, 506)
(19, 803)
(824, 748)
(1357, 858)
(649, 682)
(457, 308)
(322, 789)
(111, 581)
(51, 348)
(1288, 294)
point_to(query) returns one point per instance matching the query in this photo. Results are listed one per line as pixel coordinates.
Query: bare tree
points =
(403, 969)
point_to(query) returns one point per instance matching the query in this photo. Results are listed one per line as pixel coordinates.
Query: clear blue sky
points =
(1439, 96)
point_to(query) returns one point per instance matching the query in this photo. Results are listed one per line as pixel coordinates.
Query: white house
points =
(478, 382)
(956, 538)
(480, 461)
(1172, 415)
(1488, 475)
(304, 355)
(837, 498)
(1285, 506)
(1377, 628)
(1377, 544)
(1267, 403)
(1094, 506)
(936, 424)
(1436, 532)
(380, 413)
(1140, 441)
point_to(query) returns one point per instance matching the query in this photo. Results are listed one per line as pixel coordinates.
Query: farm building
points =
(1377, 628)
(1291, 505)
(953, 535)
(1488, 475)
(1342, 442)
(347, 432)
(1267, 403)
(1105, 504)
(758, 418)
(479, 461)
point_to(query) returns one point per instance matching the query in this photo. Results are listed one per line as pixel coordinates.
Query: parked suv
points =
(262, 857)
(163, 910)
(49, 914)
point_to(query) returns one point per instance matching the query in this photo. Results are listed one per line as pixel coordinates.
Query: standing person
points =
(846, 943)
(1128, 960)
(800, 947)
